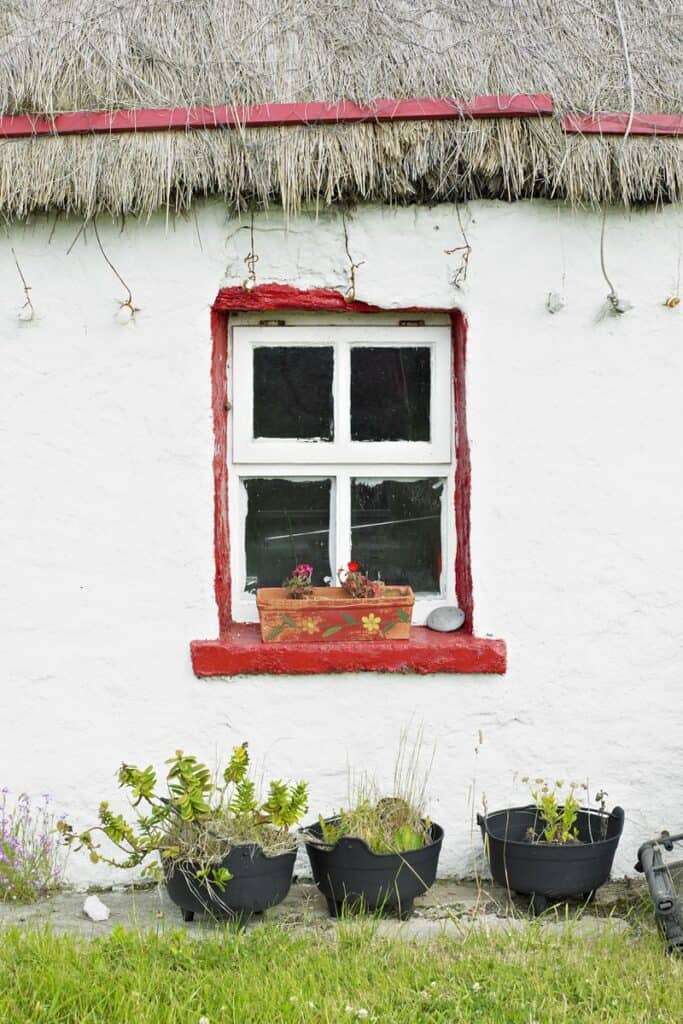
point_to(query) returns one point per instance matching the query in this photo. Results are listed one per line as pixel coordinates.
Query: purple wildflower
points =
(28, 851)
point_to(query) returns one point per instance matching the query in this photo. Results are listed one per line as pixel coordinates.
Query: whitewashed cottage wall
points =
(106, 529)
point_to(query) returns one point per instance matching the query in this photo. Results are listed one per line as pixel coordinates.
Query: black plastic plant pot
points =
(548, 872)
(258, 882)
(350, 875)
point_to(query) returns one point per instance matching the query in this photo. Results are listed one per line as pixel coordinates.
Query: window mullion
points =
(342, 524)
(342, 390)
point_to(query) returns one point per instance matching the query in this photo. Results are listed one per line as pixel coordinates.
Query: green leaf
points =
(406, 838)
(275, 632)
(289, 622)
(332, 630)
(238, 765)
(388, 626)
(403, 616)
(349, 619)
(244, 800)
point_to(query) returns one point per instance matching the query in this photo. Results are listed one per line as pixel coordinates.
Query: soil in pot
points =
(351, 876)
(258, 882)
(548, 872)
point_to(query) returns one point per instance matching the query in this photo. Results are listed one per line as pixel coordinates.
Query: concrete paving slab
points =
(451, 907)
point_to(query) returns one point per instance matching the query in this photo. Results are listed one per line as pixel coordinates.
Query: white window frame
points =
(341, 340)
(340, 460)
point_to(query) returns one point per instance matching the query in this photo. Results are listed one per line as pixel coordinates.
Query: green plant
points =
(564, 974)
(197, 820)
(557, 810)
(388, 824)
(299, 583)
(357, 583)
(30, 862)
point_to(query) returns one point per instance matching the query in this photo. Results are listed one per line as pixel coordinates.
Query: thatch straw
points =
(58, 55)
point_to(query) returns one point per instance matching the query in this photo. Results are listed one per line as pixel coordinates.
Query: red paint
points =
(241, 651)
(219, 406)
(283, 296)
(463, 473)
(239, 647)
(17, 126)
(616, 124)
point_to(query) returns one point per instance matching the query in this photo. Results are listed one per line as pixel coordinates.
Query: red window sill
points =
(241, 651)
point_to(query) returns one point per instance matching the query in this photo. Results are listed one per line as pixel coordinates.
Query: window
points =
(342, 447)
(353, 437)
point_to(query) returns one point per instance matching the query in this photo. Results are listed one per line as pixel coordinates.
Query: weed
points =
(30, 861)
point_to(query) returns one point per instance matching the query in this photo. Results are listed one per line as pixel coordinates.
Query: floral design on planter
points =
(337, 626)
(371, 622)
(310, 625)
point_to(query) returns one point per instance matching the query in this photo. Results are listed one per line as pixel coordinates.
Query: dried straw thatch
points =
(58, 55)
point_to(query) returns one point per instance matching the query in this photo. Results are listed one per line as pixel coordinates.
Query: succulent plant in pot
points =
(218, 845)
(554, 848)
(378, 853)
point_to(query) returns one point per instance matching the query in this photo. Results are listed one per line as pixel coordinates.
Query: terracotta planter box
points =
(332, 615)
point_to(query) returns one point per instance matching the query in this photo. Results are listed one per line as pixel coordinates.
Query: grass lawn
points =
(267, 975)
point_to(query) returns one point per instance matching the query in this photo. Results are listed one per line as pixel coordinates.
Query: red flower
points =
(354, 566)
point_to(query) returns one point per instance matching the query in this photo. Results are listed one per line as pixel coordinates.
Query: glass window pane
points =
(390, 392)
(288, 521)
(293, 392)
(396, 530)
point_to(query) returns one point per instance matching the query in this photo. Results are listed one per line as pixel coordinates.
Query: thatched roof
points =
(61, 55)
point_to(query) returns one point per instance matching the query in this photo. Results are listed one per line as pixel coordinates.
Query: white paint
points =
(106, 508)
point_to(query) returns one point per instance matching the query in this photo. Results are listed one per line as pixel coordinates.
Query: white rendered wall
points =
(106, 512)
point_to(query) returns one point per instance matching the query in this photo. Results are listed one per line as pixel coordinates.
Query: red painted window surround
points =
(616, 124)
(260, 115)
(239, 648)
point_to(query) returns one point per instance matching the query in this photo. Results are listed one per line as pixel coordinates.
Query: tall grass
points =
(388, 821)
(269, 976)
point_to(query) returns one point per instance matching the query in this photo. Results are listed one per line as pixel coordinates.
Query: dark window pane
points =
(288, 521)
(390, 394)
(396, 530)
(293, 392)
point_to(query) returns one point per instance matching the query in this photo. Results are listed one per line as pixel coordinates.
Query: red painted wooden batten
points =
(617, 124)
(262, 115)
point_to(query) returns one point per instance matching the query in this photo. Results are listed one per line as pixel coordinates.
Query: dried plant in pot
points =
(552, 849)
(379, 853)
(359, 609)
(215, 843)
